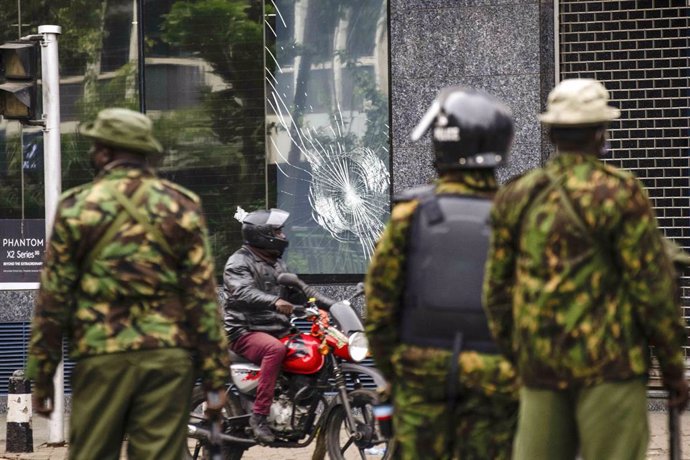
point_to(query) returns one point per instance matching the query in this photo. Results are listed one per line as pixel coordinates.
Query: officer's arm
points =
(499, 277)
(200, 299)
(650, 282)
(53, 308)
(384, 287)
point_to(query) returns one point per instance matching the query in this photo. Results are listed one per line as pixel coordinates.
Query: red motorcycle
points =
(319, 394)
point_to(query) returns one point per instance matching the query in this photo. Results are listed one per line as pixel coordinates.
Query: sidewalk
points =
(42, 451)
(658, 446)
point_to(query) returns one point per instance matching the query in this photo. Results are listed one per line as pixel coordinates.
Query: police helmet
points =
(469, 129)
(258, 229)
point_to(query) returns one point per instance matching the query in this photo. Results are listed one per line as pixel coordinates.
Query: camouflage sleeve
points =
(383, 287)
(200, 300)
(54, 306)
(499, 275)
(649, 278)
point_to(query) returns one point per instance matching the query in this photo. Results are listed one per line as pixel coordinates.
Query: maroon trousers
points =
(268, 352)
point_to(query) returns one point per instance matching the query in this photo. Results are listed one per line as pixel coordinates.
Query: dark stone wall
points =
(16, 306)
(503, 47)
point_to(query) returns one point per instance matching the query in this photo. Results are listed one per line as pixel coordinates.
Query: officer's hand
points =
(42, 401)
(215, 401)
(679, 393)
(284, 307)
(385, 392)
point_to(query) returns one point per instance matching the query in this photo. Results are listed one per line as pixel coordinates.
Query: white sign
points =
(22, 245)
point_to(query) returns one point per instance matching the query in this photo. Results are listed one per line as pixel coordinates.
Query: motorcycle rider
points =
(454, 395)
(257, 308)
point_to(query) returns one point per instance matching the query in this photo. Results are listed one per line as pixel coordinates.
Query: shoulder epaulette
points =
(616, 172)
(414, 193)
(516, 177)
(75, 190)
(180, 189)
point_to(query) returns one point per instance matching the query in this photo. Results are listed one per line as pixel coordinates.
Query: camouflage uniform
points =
(577, 286)
(486, 412)
(569, 311)
(135, 298)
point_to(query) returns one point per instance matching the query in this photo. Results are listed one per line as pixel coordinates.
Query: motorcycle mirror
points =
(359, 290)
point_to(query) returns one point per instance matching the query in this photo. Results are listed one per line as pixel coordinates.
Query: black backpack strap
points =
(428, 203)
(452, 389)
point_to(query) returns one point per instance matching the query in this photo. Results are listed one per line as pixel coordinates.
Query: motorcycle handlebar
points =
(292, 280)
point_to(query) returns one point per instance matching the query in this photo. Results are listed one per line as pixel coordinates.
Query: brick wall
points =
(639, 50)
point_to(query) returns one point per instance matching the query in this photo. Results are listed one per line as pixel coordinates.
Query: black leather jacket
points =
(251, 290)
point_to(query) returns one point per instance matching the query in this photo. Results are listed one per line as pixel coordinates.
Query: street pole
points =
(53, 186)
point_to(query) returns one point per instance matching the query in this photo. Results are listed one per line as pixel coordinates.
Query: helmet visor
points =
(277, 217)
(426, 121)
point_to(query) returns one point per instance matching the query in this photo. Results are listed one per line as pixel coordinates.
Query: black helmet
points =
(470, 129)
(258, 229)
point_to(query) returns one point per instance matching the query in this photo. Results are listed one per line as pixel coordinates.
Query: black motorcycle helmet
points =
(258, 229)
(470, 129)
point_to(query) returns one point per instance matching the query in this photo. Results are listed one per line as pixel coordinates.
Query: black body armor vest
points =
(448, 244)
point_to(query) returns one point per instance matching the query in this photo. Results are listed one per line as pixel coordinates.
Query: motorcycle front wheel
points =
(342, 445)
(198, 449)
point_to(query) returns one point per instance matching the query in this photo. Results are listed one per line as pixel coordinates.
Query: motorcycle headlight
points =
(358, 345)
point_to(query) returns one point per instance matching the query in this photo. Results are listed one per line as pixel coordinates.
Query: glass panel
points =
(97, 52)
(324, 156)
(328, 134)
(204, 86)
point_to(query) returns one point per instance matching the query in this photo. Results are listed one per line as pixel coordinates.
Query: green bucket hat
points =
(578, 102)
(123, 128)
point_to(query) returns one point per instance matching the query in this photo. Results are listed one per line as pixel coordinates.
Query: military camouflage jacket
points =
(134, 295)
(384, 289)
(578, 304)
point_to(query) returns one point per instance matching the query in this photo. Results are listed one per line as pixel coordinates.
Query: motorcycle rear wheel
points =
(342, 446)
(197, 449)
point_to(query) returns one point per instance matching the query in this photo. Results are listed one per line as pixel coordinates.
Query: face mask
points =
(94, 166)
(605, 150)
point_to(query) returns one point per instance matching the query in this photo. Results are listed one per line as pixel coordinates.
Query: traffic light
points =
(19, 88)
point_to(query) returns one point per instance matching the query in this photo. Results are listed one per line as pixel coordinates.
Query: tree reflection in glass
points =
(327, 109)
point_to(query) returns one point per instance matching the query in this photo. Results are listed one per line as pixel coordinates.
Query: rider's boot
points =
(262, 432)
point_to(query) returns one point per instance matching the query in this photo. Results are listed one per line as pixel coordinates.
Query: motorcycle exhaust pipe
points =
(195, 432)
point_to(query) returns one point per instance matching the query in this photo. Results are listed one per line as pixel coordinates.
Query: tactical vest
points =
(447, 249)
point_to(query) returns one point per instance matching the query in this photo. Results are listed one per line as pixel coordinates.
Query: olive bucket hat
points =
(578, 102)
(123, 128)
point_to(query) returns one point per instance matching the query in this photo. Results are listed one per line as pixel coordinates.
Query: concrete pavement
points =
(42, 451)
(658, 446)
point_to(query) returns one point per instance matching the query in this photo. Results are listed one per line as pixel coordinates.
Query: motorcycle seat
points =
(237, 359)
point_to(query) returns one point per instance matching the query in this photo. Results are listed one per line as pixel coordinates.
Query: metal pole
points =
(53, 185)
(141, 61)
(19, 18)
(556, 42)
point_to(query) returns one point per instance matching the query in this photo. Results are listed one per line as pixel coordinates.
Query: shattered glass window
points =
(258, 103)
(327, 123)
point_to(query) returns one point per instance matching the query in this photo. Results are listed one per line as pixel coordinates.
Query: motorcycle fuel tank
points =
(303, 356)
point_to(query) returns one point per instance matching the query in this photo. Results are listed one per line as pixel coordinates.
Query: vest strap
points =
(129, 209)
